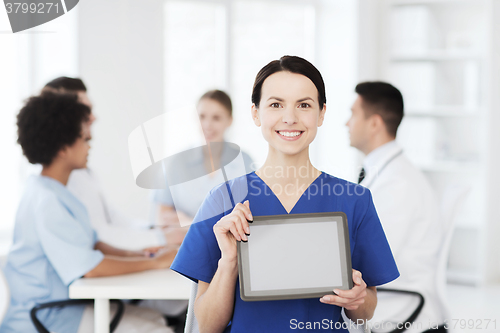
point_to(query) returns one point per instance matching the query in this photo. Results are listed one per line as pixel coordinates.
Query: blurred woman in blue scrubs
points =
(54, 243)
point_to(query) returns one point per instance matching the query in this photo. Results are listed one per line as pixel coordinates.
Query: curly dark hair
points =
(67, 83)
(49, 122)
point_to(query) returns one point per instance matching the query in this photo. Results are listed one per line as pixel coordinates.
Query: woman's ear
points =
(255, 115)
(322, 115)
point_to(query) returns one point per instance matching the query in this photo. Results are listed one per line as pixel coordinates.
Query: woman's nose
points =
(289, 116)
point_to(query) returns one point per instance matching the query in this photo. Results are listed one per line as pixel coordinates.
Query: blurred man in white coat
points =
(405, 202)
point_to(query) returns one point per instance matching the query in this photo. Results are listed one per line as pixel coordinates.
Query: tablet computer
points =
(295, 256)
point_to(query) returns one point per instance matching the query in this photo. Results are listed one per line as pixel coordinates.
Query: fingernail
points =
(326, 298)
(247, 234)
(249, 221)
(336, 291)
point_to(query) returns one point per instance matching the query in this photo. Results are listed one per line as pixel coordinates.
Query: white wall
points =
(337, 61)
(492, 264)
(368, 39)
(121, 63)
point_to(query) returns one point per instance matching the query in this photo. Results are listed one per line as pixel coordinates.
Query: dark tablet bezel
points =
(345, 252)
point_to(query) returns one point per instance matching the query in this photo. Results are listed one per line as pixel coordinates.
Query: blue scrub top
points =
(370, 253)
(53, 245)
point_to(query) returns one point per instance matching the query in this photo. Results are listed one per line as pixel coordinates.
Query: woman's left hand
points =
(348, 299)
(151, 251)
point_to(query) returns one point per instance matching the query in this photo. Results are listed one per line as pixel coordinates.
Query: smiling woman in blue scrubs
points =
(289, 104)
(54, 243)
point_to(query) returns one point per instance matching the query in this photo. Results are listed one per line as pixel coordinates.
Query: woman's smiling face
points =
(289, 113)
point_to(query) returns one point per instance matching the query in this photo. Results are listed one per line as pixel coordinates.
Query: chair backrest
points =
(4, 295)
(453, 197)
(191, 323)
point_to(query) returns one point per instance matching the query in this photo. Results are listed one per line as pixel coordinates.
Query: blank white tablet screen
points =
(296, 255)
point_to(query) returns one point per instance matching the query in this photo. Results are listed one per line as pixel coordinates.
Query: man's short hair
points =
(385, 100)
(49, 122)
(66, 83)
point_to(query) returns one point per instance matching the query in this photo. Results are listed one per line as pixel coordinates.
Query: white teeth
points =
(290, 134)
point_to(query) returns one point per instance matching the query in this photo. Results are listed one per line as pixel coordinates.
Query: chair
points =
(191, 323)
(69, 302)
(453, 197)
(413, 315)
(5, 301)
(4, 296)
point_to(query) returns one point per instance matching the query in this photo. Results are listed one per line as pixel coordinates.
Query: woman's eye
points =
(304, 105)
(275, 105)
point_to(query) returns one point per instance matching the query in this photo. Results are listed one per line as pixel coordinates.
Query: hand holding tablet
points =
(290, 256)
(348, 299)
(233, 228)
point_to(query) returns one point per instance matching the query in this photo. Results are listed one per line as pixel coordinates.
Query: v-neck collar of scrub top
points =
(63, 194)
(267, 188)
(57, 187)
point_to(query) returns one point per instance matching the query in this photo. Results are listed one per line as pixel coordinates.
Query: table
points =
(153, 284)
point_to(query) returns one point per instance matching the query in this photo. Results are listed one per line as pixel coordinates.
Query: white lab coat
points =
(112, 226)
(408, 211)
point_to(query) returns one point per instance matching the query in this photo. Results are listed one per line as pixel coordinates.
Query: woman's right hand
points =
(165, 256)
(232, 228)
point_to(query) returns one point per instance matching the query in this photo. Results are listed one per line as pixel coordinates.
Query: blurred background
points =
(141, 59)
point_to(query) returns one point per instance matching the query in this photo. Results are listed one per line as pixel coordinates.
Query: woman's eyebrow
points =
(298, 101)
(305, 99)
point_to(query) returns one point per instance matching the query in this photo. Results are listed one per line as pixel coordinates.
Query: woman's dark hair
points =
(49, 122)
(221, 97)
(290, 64)
(67, 83)
(385, 100)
